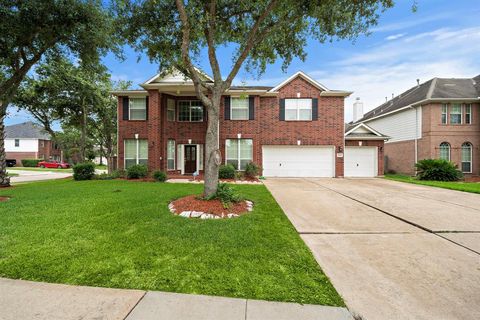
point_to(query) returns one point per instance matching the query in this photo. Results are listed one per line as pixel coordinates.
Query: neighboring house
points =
(29, 141)
(295, 129)
(436, 119)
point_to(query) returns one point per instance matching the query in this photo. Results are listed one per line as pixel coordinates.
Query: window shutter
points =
(146, 108)
(282, 109)
(125, 108)
(315, 109)
(251, 108)
(227, 108)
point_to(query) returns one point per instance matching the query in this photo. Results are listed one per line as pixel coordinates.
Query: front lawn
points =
(120, 234)
(473, 187)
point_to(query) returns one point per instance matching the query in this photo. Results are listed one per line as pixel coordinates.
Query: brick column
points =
(154, 129)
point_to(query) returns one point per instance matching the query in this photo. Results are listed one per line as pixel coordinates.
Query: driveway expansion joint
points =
(136, 304)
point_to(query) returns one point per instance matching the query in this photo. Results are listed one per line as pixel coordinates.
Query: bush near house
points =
(137, 171)
(226, 172)
(252, 170)
(84, 171)
(30, 162)
(437, 170)
(159, 176)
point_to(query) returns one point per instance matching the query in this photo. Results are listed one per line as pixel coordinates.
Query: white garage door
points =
(298, 161)
(360, 162)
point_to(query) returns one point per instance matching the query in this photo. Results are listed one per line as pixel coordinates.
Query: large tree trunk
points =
(4, 180)
(83, 138)
(213, 155)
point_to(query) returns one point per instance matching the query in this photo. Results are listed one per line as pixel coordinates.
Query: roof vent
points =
(418, 82)
(357, 110)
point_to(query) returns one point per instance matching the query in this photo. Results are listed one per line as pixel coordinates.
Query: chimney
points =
(357, 110)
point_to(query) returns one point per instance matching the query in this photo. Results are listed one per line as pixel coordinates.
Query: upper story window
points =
(445, 151)
(239, 108)
(456, 113)
(298, 109)
(445, 114)
(190, 111)
(137, 109)
(17, 142)
(468, 114)
(170, 110)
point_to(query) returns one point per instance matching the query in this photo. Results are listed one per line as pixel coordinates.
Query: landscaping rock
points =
(196, 214)
(185, 214)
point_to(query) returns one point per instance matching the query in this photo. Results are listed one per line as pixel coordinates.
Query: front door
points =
(190, 159)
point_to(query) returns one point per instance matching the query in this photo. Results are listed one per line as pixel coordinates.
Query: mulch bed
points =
(194, 203)
(4, 199)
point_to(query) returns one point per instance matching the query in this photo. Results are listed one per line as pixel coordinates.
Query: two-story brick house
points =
(295, 129)
(436, 119)
(29, 141)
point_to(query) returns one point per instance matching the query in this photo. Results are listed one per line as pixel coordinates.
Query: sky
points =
(440, 39)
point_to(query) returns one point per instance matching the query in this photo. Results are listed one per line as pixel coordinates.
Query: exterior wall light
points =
(189, 141)
(299, 142)
(239, 135)
(340, 149)
(136, 136)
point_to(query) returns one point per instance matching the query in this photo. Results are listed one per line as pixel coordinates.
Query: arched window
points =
(467, 157)
(445, 151)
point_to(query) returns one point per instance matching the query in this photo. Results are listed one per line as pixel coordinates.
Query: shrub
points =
(30, 162)
(119, 173)
(252, 170)
(226, 194)
(226, 172)
(103, 176)
(437, 170)
(137, 171)
(159, 176)
(84, 171)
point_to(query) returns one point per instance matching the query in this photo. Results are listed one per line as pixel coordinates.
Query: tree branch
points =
(210, 34)
(185, 54)
(250, 42)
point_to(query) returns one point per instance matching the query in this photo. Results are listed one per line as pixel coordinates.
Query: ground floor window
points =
(171, 155)
(445, 151)
(467, 157)
(239, 152)
(136, 152)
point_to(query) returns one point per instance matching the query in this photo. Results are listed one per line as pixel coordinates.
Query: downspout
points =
(416, 137)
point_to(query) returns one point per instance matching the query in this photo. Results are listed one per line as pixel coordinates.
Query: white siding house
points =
(401, 125)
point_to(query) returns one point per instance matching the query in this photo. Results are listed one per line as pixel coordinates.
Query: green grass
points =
(11, 174)
(101, 167)
(473, 187)
(40, 169)
(120, 234)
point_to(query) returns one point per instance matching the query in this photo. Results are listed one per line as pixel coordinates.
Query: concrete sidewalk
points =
(21, 300)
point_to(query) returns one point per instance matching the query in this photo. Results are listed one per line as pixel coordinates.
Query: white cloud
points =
(415, 21)
(395, 36)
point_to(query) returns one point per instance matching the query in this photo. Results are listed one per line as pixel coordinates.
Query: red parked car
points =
(53, 164)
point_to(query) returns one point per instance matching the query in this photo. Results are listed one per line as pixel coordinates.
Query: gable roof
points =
(175, 76)
(304, 76)
(361, 131)
(26, 130)
(436, 89)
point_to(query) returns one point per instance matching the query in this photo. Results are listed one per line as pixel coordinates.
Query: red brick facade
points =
(265, 129)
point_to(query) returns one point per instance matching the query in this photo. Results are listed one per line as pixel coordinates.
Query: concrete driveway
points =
(393, 250)
(31, 176)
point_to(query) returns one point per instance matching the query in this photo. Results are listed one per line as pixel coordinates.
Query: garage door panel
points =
(298, 161)
(360, 162)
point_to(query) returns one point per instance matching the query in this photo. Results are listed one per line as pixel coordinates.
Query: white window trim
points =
(469, 107)
(239, 159)
(449, 150)
(471, 157)
(298, 109)
(232, 107)
(461, 116)
(190, 111)
(174, 155)
(445, 105)
(130, 104)
(137, 155)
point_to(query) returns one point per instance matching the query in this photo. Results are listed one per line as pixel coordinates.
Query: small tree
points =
(32, 28)
(260, 31)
